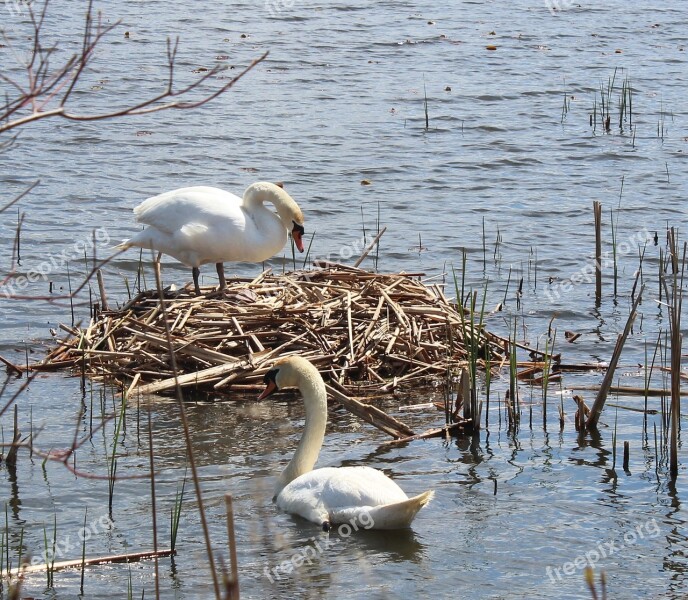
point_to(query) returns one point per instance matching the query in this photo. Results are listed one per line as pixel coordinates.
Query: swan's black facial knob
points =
(270, 381)
(297, 233)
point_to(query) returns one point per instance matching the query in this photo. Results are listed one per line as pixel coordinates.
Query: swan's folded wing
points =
(359, 486)
(170, 211)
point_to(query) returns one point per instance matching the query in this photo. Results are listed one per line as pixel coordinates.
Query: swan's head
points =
(287, 209)
(293, 371)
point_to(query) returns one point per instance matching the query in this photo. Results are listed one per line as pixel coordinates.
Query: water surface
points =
(341, 99)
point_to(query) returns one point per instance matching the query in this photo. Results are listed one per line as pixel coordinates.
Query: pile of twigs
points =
(366, 332)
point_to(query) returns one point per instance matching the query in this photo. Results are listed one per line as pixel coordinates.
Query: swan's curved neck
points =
(263, 191)
(314, 395)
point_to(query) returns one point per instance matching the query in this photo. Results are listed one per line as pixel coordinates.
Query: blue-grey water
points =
(341, 99)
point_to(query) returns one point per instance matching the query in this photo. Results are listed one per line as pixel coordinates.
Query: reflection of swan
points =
(397, 546)
(200, 225)
(362, 496)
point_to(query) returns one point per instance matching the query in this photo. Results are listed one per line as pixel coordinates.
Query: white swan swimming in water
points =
(333, 495)
(200, 225)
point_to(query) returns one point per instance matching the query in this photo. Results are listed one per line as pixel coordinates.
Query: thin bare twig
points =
(44, 85)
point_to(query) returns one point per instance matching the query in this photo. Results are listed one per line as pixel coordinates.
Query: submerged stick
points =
(101, 560)
(601, 397)
(232, 585)
(372, 415)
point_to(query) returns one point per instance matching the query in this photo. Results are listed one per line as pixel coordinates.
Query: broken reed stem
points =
(187, 437)
(232, 586)
(601, 397)
(369, 249)
(597, 210)
(101, 288)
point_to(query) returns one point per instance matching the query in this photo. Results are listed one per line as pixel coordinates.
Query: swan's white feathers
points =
(340, 488)
(199, 225)
(360, 495)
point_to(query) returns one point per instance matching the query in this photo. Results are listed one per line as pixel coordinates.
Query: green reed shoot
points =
(112, 467)
(126, 284)
(130, 586)
(175, 514)
(50, 554)
(497, 256)
(308, 251)
(506, 291)
(472, 339)
(484, 247)
(488, 380)
(626, 103)
(425, 106)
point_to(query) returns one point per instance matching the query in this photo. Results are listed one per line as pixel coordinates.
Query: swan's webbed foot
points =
(326, 525)
(221, 274)
(195, 272)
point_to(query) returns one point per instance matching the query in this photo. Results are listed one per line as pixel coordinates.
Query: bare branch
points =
(19, 197)
(44, 84)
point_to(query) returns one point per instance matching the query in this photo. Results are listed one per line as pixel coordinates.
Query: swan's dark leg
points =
(195, 271)
(221, 274)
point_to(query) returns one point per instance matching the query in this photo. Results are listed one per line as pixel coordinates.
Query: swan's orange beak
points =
(270, 389)
(297, 234)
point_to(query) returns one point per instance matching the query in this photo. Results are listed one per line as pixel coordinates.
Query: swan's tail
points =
(125, 245)
(400, 514)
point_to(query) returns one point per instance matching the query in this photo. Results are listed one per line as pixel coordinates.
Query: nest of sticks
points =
(367, 333)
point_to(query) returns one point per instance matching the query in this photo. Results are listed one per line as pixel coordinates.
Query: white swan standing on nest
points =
(333, 495)
(200, 225)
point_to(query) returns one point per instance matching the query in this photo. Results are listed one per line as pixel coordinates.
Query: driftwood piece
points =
(100, 560)
(371, 414)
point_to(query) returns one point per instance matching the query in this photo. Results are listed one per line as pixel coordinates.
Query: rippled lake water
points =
(340, 99)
